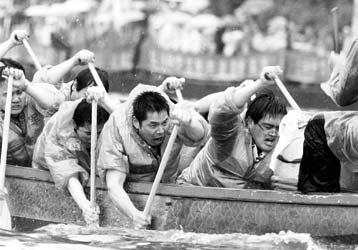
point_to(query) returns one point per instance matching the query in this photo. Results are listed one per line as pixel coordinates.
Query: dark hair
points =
(85, 78)
(12, 63)
(7, 62)
(265, 104)
(83, 114)
(149, 101)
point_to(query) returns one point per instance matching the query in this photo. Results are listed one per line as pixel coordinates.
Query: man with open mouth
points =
(239, 151)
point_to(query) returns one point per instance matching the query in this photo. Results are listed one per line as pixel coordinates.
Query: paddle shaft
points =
(32, 54)
(5, 136)
(96, 76)
(93, 153)
(285, 92)
(334, 12)
(162, 164)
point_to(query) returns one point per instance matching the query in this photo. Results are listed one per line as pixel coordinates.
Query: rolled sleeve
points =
(110, 149)
(63, 165)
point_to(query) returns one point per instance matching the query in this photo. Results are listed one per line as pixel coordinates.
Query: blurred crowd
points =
(178, 25)
(194, 28)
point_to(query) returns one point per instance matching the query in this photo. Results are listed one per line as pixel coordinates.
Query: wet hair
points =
(7, 62)
(85, 78)
(83, 114)
(149, 101)
(265, 104)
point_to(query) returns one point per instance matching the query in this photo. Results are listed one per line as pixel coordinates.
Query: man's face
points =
(18, 99)
(265, 132)
(75, 95)
(84, 133)
(154, 129)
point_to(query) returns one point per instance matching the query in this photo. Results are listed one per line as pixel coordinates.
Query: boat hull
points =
(194, 209)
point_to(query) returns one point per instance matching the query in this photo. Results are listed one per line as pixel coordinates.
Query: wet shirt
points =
(60, 149)
(23, 133)
(341, 129)
(229, 159)
(121, 148)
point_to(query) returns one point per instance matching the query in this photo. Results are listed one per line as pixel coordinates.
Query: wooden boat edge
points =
(214, 193)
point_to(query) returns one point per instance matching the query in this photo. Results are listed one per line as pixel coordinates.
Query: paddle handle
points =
(285, 92)
(334, 12)
(93, 153)
(95, 75)
(160, 172)
(163, 163)
(32, 54)
(5, 136)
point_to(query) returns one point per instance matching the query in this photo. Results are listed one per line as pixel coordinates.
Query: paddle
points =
(31, 53)
(5, 216)
(334, 12)
(96, 76)
(163, 163)
(93, 153)
(94, 137)
(285, 92)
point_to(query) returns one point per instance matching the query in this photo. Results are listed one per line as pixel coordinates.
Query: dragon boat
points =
(34, 200)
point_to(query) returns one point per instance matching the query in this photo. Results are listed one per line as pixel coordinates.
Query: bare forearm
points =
(56, 73)
(76, 190)
(243, 93)
(119, 196)
(203, 105)
(45, 96)
(5, 47)
(108, 104)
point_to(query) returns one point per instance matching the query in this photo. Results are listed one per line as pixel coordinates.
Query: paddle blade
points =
(5, 216)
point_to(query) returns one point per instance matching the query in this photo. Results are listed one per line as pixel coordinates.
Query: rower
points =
(78, 87)
(330, 153)
(134, 139)
(27, 121)
(239, 151)
(64, 146)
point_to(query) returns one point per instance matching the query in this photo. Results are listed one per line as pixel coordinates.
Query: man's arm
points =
(90, 213)
(192, 125)
(44, 94)
(203, 105)
(56, 73)
(15, 39)
(115, 181)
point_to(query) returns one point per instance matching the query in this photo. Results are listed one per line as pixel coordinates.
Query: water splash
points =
(61, 236)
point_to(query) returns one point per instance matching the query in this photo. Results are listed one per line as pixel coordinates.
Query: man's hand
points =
(20, 81)
(170, 84)
(83, 57)
(140, 221)
(182, 113)
(268, 73)
(17, 36)
(90, 213)
(336, 59)
(95, 93)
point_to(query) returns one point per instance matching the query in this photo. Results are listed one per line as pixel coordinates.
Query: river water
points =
(61, 236)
